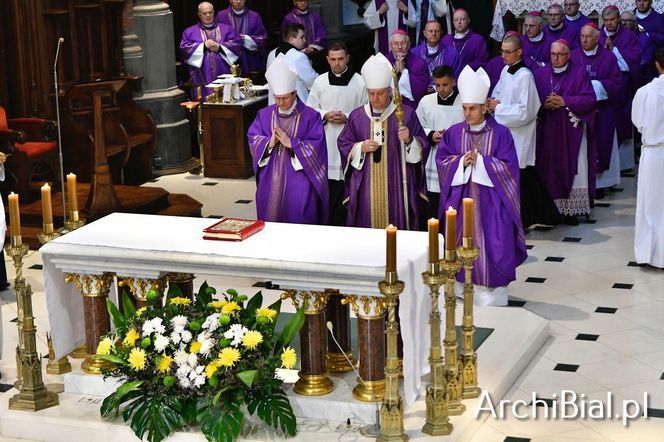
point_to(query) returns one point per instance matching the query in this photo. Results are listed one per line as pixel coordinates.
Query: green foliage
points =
(173, 291)
(119, 320)
(157, 416)
(128, 304)
(275, 410)
(248, 377)
(255, 302)
(221, 422)
(124, 392)
(289, 331)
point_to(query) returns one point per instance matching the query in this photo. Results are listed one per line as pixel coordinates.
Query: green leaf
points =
(110, 358)
(248, 377)
(173, 290)
(119, 320)
(157, 417)
(123, 393)
(128, 305)
(276, 306)
(203, 297)
(221, 423)
(290, 329)
(276, 411)
(254, 303)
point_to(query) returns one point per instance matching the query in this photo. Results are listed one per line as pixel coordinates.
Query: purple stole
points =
(471, 48)
(314, 30)
(443, 56)
(248, 23)
(418, 75)
(284, 194)
(558, 141)
(497, 216)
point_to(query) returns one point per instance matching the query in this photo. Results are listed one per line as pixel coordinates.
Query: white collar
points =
(238, 12)
(298, 12)
(445, 98)
(339, 75)
(592, 51)
(609, 33)
(288, 111)
(539, 37)
(562, 23)
(643, 15)
(572, 18)
(559, 70)
(384, 114)
(477, 126)
(432, 50)
(461, 34)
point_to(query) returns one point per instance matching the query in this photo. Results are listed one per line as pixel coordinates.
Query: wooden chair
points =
(31, 143)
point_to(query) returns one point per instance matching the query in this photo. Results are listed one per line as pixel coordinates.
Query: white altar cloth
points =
(296, 256)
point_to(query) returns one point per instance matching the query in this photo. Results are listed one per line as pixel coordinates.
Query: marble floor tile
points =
(619, 372)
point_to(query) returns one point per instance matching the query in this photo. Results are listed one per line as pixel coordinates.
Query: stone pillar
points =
(132, 52)
(332, 14)
(161, 97)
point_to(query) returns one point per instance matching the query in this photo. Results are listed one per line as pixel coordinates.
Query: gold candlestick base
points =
(74, 222)
(369, 391)
(79, 352)
(94, 366)
(33, 401)
(450, 267)
(468, 253)
(48, 234)
(61, 366)
(337, 363)
(313, 385)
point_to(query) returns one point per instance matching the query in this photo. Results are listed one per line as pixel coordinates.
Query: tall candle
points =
(14, 215)
(72, 191)
(47, 208)
(450, 229)
(468, 204)
(433, 225)
(391, 261)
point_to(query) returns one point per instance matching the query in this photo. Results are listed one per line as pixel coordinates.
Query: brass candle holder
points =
(468, 358)
(32, 395)
(48, 234)
(74, 222)
(56, 366)
(437, 418)
(451, 266)
(392, 410)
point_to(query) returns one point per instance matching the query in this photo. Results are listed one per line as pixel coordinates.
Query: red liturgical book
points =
(233, 229)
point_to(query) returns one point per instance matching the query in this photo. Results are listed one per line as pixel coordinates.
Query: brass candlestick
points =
(74, 222)
(32, 395)
(468, 358)
(60, 366)
(391, 412)
(48, 234)
(437, 418)
(451, 266)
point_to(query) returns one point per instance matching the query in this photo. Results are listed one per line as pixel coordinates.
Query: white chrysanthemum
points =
(196, 371)
(206, 347)
(186, 336)
(181, 357)
(212, 322)
(179, 322)
(147, 328)
(199, 381)
(184, 382)
(175, 337)
(235, 333)
(183, 371)
(160, 343)
(192, 360)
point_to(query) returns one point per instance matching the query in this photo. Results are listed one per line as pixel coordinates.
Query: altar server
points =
(412, 71)
(287, 143)
(334, 95)
(470, 46)
(432, 51)
(208, 49)
(373, 158)
(648, 117)
(477, 159)
(314, 28)
(385, 17)
(249, 26)
(437, 112)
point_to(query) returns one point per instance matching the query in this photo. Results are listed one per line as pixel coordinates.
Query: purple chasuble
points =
(603, 67)
(284, 194)
(654, 26)
(382, 169)
(314, 29)
(213, 63)
(418, 75)
(562, 32)
(574, 27)
(247, 23)
(495, 66)
(558, 141)
(497, 227)
(648, 69)
(383, 33)
(471, 48)
(444, 55)
(539, 51)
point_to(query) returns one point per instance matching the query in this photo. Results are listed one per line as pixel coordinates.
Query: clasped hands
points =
(372, 146)
(385, 7)
(280, 136)
(470, 158)
(212, 45)
(491, 104)
(554, 101)
(337, 117)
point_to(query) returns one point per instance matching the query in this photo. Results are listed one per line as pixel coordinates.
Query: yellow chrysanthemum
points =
(266, 312)
(230, 308)
(229, 356)
(251, 339)
(288, 358)
(164, 364)
(137, 359)
(178, 300)
(217, 304)
(140, 311)
(195, 347)
(212, 367)
(131, 337)
(104, 346)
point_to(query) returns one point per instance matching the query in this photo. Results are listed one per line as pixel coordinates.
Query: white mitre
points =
(473, 86)
(377, 72)
(281, 76)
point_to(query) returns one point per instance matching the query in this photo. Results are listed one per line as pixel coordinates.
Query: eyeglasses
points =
(506, 52)
(559, 54)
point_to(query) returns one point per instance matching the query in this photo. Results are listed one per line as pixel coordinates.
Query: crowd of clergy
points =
(534, 135)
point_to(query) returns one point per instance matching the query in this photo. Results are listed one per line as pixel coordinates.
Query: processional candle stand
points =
(32, 395)
(74, 221)
(437, 419)
(392, 410)
(468, 358)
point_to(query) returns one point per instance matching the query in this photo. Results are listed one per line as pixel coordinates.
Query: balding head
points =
(399, 45)
(432, 33)
(628, 20)
(206, 13)
(589, 37)
(533, 25)
(461, 20)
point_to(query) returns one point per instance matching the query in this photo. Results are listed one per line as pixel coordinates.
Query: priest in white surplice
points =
(648, 117)
(436, 113)
(386, 16)
(334, 95)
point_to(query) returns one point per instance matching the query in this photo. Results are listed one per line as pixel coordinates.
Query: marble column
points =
(153, 22)
(132, 51)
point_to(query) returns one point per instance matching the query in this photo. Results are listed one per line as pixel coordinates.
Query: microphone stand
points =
(57, 118)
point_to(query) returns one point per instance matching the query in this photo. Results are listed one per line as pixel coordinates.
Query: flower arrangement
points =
(198, 363)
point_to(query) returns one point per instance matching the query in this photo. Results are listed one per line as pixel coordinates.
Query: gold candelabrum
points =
(73, 222)
(199, 131)
(451, 266)
(32, 395)
(392, 410)
(468, 358)
(437, 418)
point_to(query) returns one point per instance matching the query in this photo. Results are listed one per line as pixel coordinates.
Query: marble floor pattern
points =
(606, 316)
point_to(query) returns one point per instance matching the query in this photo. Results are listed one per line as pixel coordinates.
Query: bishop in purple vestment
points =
(652, 21)
(385, 17)
(470, 46)
(374, 150)
(566, 119)
(314, 29)
(249, 26)
(536, 44)
(287, 144)
(432, 51)
(477, 159)
(414, 77)
(648, 70)
(574, 19)
(209, 49)
(557, 28)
